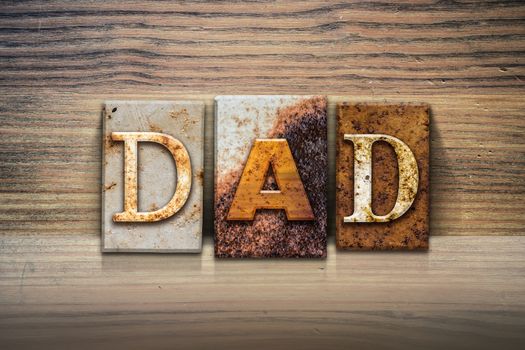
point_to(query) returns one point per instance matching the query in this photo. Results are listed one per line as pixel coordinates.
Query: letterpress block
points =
(271, 175)
(382, 177)
(152, 176)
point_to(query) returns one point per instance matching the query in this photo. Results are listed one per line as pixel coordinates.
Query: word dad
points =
(270, 179)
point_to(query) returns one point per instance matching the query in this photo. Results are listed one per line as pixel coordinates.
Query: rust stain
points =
(109, 145)
(187, 121)
(194, 213)
(153, 207)
(241, 122)
(179, 113)
(155, 128)
(199, 175)
(304, 110)
(110, 186)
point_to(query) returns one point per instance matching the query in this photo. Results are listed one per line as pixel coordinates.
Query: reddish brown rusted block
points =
(254, 172)
(410, 124)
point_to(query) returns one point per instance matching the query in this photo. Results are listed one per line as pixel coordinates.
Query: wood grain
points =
(59, 60)
(51, 164)
(58, 291)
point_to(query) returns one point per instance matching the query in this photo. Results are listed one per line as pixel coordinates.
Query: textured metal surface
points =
(408, 177)
(183, 176)
(302, 122)
(396, 134)
(152, 191)
(270, 158)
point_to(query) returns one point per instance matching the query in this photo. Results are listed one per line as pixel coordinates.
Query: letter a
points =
(291, 195)
(408, 178)
(182, 162)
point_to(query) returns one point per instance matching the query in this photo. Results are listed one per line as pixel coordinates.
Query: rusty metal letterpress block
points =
(152, 176)
(270, 176)
(382, 176)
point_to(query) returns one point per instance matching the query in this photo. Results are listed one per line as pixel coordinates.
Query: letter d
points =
(408, 178)
(182, 162)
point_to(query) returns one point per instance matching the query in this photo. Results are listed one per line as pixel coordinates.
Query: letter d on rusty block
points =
(152, 176)
(408, 178)
(382, 164)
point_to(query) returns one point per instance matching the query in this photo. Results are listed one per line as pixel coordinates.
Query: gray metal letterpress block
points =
(158, 206)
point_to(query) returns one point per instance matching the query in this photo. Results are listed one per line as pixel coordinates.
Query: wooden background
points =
(60, 60)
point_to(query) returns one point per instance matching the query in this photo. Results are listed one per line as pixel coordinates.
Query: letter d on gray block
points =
(152, 176)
